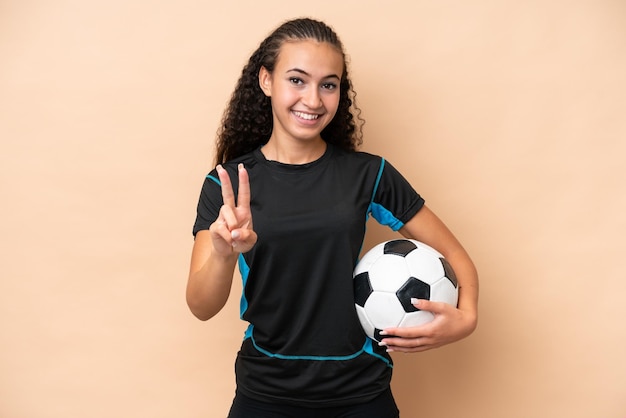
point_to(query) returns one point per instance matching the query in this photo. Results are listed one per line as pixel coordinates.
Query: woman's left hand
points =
(449, 325)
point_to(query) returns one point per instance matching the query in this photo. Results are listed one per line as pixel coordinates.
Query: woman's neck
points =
(289, 153)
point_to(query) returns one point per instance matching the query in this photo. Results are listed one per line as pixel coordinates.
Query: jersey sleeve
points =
(209, 203)
(394, 201)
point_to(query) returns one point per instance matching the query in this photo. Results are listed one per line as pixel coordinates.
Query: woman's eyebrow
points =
(301, 71)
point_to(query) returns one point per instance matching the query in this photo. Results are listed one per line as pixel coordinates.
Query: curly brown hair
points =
(247, 121)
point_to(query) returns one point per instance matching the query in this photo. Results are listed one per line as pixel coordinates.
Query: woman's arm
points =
(215, 250)
(210, 277)
(450, 324)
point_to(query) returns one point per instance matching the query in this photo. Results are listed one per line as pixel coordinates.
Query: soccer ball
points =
(393, 272)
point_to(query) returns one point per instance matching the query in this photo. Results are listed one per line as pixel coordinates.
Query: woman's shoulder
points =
(248, 160)
(358, 156)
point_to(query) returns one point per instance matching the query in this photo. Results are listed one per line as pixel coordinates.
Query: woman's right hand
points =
(232, 231)
(215, 251)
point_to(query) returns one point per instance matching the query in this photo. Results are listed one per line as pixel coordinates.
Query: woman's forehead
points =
(311, 56)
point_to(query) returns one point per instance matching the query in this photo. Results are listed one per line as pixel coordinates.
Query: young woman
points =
(288, 201)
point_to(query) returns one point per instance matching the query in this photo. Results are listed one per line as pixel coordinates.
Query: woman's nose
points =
(312, 99)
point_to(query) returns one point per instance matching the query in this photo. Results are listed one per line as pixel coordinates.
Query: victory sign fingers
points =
(234, 224)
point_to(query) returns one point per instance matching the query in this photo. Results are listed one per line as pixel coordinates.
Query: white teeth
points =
(306, 116)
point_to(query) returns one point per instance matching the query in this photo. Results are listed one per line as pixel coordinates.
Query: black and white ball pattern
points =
(393, 272)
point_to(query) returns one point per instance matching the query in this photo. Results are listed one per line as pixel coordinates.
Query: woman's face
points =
(304, 89)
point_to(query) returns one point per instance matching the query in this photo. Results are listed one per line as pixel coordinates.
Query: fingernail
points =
(240, 166)
(219, 167)
(415, 301)
(235, 234)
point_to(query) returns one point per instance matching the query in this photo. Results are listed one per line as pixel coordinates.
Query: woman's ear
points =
(265, 81)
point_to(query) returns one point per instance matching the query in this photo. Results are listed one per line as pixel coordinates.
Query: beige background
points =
(508, 116)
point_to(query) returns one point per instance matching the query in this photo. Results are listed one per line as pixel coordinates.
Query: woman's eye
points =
(329, 86)
(295, 80)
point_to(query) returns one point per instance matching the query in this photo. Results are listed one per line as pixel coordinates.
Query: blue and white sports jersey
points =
(304, 344)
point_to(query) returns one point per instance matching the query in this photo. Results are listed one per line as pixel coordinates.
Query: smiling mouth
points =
(305, 116)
